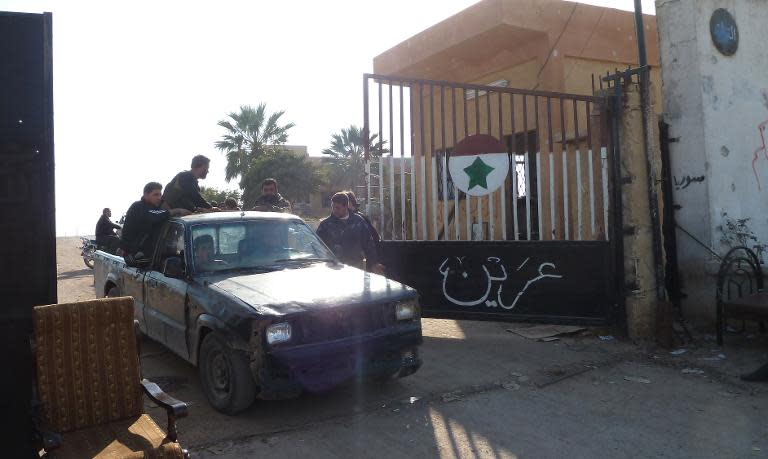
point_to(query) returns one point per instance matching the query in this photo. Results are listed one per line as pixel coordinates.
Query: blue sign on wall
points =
(725, 33)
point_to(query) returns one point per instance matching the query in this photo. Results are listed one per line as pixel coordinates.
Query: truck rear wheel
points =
(225, 376)
(113, 292)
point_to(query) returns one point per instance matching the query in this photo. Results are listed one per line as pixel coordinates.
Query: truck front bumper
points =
(390, 352)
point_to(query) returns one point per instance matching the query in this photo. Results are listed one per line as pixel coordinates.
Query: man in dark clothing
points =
(142, 225)
(271, 200)
(355, 209)
(347, 235)
(105, 232)
(183, 192)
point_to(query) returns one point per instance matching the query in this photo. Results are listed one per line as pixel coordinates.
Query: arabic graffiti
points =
(463, 283)
(761, 128)
(685, 182)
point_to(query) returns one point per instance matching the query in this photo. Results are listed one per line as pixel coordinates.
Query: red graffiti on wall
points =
(761, 128)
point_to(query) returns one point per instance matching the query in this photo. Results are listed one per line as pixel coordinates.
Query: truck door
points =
(166, 296)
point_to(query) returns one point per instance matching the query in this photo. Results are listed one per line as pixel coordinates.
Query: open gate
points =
(527, 235)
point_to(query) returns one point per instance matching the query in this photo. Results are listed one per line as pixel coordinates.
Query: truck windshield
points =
(256, 244)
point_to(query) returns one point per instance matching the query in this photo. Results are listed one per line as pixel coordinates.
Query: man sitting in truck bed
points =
(142, 225)
(183, 192)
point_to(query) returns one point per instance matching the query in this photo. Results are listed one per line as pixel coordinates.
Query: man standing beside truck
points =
(142, 225)
(348, 237)
(183, 192)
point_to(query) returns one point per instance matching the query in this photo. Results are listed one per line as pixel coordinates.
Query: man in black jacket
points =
(271, 200)
(183, 192)
(105, 232)
(347, 235)
(142, 226)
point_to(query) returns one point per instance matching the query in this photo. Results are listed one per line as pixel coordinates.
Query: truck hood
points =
(313, 287)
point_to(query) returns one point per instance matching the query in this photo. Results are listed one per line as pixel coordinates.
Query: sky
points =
(139, 86)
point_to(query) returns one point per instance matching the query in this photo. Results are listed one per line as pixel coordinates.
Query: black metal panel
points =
(533, 281)
(27, 232)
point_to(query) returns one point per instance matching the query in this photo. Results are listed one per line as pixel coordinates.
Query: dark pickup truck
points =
(264, 309)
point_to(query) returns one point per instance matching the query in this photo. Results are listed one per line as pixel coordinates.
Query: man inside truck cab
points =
(142, 225)
(204, 253)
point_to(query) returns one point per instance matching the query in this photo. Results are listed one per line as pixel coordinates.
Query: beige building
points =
(531, 45)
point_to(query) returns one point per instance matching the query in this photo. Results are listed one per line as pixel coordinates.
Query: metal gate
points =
(541, 247)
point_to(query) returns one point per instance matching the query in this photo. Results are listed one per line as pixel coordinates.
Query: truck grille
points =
(340, 323)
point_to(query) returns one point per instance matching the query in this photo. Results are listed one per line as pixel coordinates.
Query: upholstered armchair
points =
(89, 385)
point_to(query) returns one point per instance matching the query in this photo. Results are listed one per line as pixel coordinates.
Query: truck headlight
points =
(278, 333)
(406, 310)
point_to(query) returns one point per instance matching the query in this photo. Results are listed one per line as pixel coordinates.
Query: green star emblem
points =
(478, 173)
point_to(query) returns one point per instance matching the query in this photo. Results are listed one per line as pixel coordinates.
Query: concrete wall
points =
(714, 105)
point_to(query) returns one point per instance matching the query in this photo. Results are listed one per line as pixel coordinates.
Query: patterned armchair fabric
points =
(89, 381)
(87, 363)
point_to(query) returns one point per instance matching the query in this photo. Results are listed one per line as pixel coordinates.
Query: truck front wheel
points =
(225, 376)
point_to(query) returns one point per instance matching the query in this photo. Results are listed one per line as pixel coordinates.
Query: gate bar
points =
(577, 144)
(402, 168)
(515, 223)
(477, 88)
(381, 163)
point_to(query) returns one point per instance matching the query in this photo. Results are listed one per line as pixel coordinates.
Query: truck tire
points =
(113, 292)
(225, 376)
(88, 260)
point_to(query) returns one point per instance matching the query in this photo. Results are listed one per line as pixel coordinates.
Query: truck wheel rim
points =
(219, 374)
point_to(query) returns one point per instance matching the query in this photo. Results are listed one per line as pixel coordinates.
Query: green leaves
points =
(345, 160)
(215, 194)
(249, 134)
(297, 177)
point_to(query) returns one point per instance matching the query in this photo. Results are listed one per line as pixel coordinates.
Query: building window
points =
(517, 145)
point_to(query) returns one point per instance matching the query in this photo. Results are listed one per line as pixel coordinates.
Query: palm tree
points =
(347, 156)
(250, 134)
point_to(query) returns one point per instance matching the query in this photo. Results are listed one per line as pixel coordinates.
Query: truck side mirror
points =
(173, 267)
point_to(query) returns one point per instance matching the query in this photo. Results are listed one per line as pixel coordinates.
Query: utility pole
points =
(645, 104)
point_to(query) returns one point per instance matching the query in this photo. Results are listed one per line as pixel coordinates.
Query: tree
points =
(296, 176)
(346, 157)
(214, 194)
(250, 134)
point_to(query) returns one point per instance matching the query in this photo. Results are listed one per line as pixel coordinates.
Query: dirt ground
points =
(75, 279)
(484, 392)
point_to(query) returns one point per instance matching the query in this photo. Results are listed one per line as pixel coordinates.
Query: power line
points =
(586, 43)
(557, 41)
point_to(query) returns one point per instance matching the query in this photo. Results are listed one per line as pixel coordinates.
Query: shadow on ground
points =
(75, 274)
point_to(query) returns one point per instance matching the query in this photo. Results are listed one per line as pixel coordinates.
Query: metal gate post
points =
(617, 239)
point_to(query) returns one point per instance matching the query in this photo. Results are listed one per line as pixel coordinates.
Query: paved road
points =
(487, 393)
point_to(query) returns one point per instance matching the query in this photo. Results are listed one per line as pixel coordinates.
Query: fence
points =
(557, 186)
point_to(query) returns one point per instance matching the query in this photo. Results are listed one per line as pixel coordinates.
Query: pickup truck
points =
(264, 309)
